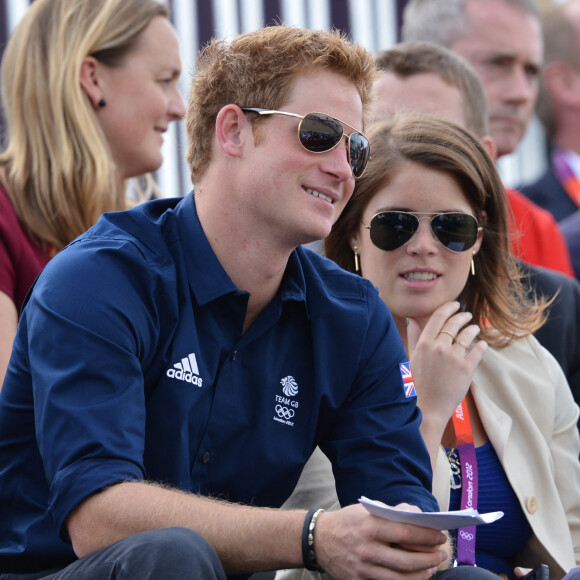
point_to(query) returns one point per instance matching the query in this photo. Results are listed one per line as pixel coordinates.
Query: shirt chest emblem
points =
(186, 370)
(285, 406)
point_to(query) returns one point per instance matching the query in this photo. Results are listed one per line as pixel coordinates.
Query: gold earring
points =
(472, 264)
(356, 261)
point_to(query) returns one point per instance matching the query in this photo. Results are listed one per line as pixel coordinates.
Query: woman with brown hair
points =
(427, 224)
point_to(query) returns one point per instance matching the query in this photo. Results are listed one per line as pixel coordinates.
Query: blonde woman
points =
(88, 90)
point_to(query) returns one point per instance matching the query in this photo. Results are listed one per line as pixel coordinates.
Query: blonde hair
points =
(57, 166)
(495, 296)
(258, 69)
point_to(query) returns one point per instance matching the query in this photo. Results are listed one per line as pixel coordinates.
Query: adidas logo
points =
(186, 370)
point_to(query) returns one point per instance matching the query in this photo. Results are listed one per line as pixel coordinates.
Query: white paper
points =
(434, 520)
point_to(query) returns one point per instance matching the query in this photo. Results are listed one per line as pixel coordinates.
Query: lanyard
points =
(566, 175)
(469, 481)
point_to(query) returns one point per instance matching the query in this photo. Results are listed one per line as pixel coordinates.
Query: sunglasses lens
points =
(391, 230)
(359, 153)
(319, 133)
(456, 231)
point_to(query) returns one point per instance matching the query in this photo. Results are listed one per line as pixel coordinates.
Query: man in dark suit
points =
(560, 334)
(570, 227)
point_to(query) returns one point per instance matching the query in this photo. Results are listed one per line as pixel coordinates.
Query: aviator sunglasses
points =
(319, 133)
(390, 230)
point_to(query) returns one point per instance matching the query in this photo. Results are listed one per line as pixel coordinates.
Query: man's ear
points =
(229, 127)
(489, 145)
(562, 82)
(89, 79)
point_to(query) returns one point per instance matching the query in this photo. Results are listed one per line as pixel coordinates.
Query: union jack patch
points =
(408, 382)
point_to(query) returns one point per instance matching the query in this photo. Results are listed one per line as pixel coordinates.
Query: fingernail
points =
(406, 321)
(469, 314)
(457, 302)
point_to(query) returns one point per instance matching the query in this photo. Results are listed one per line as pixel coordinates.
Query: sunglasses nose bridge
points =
(344, 155)
(347, 147)
(423, 234)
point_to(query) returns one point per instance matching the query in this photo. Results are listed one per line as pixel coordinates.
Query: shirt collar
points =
(206, 276)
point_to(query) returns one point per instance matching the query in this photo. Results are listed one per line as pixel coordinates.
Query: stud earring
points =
(101, 103)
(472, 264)
(356, 260)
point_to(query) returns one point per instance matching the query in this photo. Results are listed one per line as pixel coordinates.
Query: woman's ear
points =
(89, 79)
(354, 243)
(483, 221)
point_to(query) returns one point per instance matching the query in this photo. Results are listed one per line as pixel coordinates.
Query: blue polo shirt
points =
(131, 363)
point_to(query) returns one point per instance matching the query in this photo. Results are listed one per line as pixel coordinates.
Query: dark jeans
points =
(175, 554)
(168, 554)
(464, 573)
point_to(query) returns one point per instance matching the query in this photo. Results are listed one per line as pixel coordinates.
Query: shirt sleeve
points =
(86, 366)
(375, 444)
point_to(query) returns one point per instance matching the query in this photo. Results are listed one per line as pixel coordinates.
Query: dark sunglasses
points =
(390, 230)
(319, 133)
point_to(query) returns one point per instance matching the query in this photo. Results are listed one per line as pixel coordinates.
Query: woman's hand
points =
(443, 359)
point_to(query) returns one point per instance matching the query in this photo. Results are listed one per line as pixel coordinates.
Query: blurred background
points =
(373, 23)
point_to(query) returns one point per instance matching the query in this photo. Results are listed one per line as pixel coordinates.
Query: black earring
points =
(101, 103)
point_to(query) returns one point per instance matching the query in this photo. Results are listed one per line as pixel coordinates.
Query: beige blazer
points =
(530, 417)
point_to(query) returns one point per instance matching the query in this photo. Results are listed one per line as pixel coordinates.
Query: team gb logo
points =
(289, 386)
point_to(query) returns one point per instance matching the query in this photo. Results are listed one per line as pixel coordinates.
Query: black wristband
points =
(308, 554)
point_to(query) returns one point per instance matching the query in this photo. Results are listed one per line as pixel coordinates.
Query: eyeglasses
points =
(319, 133)
(390, 230)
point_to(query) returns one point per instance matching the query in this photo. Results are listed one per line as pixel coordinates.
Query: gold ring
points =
(448, 332)
(465, 346)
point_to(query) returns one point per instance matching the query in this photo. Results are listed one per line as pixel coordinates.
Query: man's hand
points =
(352, 543)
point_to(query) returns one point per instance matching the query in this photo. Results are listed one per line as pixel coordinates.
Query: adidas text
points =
(185, 376)
(186, 370)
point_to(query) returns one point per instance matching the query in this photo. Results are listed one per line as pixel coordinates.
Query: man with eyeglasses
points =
(175, 366)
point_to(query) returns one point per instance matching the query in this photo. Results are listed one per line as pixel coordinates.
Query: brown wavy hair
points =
(495, 296)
